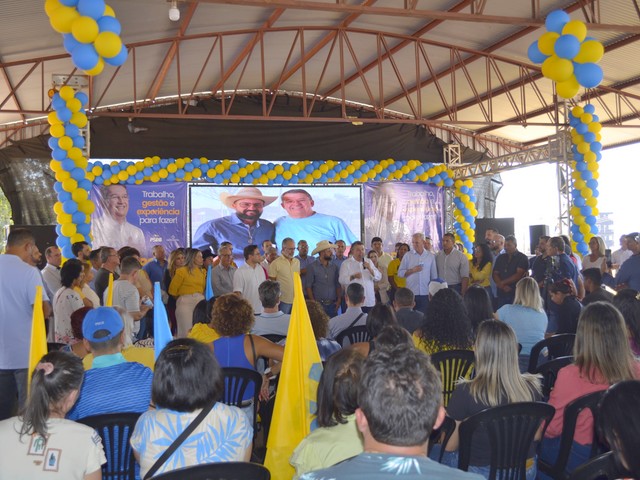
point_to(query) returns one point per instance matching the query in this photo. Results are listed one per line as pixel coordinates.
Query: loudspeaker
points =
(535, 232)
(504, 226)
(45, 236)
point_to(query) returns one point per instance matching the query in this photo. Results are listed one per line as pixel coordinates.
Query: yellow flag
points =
(38, 347)
(109, 301)
(295, 406)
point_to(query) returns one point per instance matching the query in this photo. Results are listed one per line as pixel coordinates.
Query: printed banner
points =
(140, 216)
(394, 211)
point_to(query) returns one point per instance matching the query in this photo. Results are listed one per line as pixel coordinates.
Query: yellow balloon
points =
(66, 93)
(584, 228)
(557, 69)
(64, 218)
(578, 220)
(68, 229)
(163, 173)
(97, 70)
(595, 127)
(57, 130)
(65, 143)
(86, 207)
(69, 185)
(591, 51)
(592, 202)
(78, 237)
(57, 208)
(52, 118)
(546, 42)
(85, 29)
(590, 157)
(79, 119)
(108, 11)
(595, 175)
(458, 183)
(79, 195)
(576, 28)
(579, 184)
(468, 183)
(172, 168)
(55, 165)
(577, 111)
(62, 175)
(594, 211)
(586, 118)
(583, 147)
(108, 44)
(74, 105)
(75, 154)
(569, 88)
(586, 193)
(50, 6)
(155, 178)
(62, 19)
(592, 166)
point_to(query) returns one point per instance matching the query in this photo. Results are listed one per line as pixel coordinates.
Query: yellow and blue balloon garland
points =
(225, 172)
(568, 56)
(586, 147)
(74, 207)
(90, 32)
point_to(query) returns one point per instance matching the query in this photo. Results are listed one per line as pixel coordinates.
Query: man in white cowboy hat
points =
(244, 227)
(322, 279)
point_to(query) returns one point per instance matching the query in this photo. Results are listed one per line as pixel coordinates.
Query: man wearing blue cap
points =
(112, 385)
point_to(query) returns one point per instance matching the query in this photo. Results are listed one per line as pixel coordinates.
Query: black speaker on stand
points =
(535, 232)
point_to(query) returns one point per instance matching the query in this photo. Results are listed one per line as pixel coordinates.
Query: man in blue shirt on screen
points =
(243, 228)
(303, 222)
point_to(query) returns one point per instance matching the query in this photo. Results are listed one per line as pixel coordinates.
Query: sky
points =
(530, 194)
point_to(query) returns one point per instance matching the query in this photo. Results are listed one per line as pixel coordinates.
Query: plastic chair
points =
(116, 429)
(549, 371)
(442, 435)
(218, 471)
(557, 346)
(571, 412)
(511, 430)
(603, 466)
(236, 382)
(354, 335)
(452, 365)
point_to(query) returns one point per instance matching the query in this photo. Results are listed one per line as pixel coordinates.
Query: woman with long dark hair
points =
(337, 438)
(445, 326)
(67, 300)
(480, 266)
(628, 302)
(478, 305)
(41, 442)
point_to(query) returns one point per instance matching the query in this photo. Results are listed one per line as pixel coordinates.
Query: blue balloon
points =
(586, 210)
(71, 130)
(592, 183)
(589, 108)
(115, 169)
(556, 20)
(98, 180)
(595, 193)
(587, 175)
(349, 179)
(78, 217)
(109, 24)
(91, 8)
(119, 59)
(123, 164)
(578, 157)
(567, 46)
(52, 142)
(412, 176)
(591, 220)
(419, 170)
(582, 128)
(147, 171)
(264, 168)
(589, 137)
(64, 114)
(365, 169)
(70, 207)
(218, 179)
(68, 164)
(234, 168)
(464, 189)
(67, 252)
(189, 167)
(589, 75)
(579, 201)
(58, 154)
(69, 42)
(595, 146)
(84, 184)
(164, 162)
(574, 148)
(322, 179)
(139, 176)
(371, 164)
(69, 3)
(83, 228)
(392, 168)
(57, 187)
(171, 177)
(448, 182)
(226, 175)
(178, 174)
(83, 97)
(466, 212)
(77, 174)
(385, 173)
(78, 141)
(84, 56)
(534, 53)
(309, 168)
(58, 232)
(64, 196)
(595, 118)
(595, 230)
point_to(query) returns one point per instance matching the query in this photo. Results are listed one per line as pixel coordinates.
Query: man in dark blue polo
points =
(322, 279)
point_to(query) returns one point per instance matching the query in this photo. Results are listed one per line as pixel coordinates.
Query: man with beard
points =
(322, 279)
(243, 228)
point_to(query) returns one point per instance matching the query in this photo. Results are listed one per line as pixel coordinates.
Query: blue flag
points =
(208, 290)
(161, 330)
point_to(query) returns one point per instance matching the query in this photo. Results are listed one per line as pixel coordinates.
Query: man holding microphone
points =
(358, 269)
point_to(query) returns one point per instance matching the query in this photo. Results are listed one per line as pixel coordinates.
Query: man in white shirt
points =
(271, 321)
(249, 276)
(125, 293)
(419, 268)
(358, 269)
(621, 255)
(51, 271)
(453, 265)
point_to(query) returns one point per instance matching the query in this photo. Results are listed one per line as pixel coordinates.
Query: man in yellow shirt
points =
(281, 270)
(396, 281)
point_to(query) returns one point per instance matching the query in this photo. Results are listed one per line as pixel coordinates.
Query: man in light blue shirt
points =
(419, 268)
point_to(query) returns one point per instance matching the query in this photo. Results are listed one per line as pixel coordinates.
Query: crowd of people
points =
(378, 401)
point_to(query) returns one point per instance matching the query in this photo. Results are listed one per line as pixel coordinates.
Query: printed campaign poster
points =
(394, 211)
(140, 216)
(252, 215)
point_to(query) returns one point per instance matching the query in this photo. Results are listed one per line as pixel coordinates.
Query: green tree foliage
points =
(5, 219)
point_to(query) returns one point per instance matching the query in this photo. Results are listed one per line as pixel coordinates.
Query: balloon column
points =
(586, 147)
(90, 31)
(73, 208)
(464, 214)
(568, 56)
